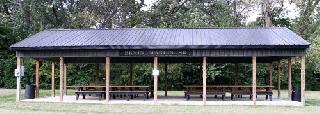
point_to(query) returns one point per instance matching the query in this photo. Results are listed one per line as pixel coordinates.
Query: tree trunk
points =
(266, 12)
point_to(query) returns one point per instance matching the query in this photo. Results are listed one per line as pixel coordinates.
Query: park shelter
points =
(164, 45)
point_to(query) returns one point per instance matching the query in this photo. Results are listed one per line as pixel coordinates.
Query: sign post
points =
(155, 73)
(19, 72)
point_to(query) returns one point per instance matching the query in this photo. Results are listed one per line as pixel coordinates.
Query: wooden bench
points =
(84, 93)
(266, 93)
(240, 93)
(130, 93)
(215, 93)
(259, 92)
(236, 90)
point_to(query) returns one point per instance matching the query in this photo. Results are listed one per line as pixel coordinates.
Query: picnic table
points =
(99, 91)
(89, 90)
(236, 90)
(129, 91)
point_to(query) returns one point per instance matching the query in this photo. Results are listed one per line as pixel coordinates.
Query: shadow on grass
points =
(8, 98)
(313, 102)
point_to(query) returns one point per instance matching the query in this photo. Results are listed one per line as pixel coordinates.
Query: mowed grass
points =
(9, 106)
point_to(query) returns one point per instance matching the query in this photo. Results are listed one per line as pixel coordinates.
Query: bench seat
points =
(130, 93)
(259, 92)
(84, 93)
(189, 93)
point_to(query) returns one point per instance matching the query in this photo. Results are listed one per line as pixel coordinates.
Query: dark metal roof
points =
(159, 38)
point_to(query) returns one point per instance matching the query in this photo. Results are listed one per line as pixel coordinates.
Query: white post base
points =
(18, 89)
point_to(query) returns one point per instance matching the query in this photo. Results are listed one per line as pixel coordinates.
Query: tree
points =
(191, 13)
(117, 13)
(307, 11)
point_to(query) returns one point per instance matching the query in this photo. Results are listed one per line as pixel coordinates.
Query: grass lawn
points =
(9, 106)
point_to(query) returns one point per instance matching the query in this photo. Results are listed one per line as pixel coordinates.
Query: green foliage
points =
(191, 13)
(7, 79)
(313, 60)
(314, 52)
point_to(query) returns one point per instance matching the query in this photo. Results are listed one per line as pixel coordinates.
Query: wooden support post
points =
(254, 79)
(65, 79)
(166, 79)
(53, 88)
(201, 73)
(204, 80)
(18, 91)
(155, 80)
(279, 79)
(235, 79)
(289, 80)
(303, 73)
(270, 73)
(107, 77)
(130, 74)
(37, 78)
(98, 74)
(61, 79)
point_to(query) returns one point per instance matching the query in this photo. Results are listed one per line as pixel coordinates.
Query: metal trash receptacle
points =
(30, 92)
(296, 93)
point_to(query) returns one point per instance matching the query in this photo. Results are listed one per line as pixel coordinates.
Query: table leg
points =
(128, 97)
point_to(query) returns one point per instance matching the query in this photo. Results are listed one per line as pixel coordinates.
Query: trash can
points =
(296, 93)
(30, 92)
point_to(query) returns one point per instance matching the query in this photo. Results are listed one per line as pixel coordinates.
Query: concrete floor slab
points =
(170, 100)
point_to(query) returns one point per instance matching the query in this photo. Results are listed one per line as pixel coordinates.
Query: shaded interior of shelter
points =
(174, 60)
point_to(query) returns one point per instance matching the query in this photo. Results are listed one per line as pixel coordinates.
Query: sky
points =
(148, 4)
(292, 11)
